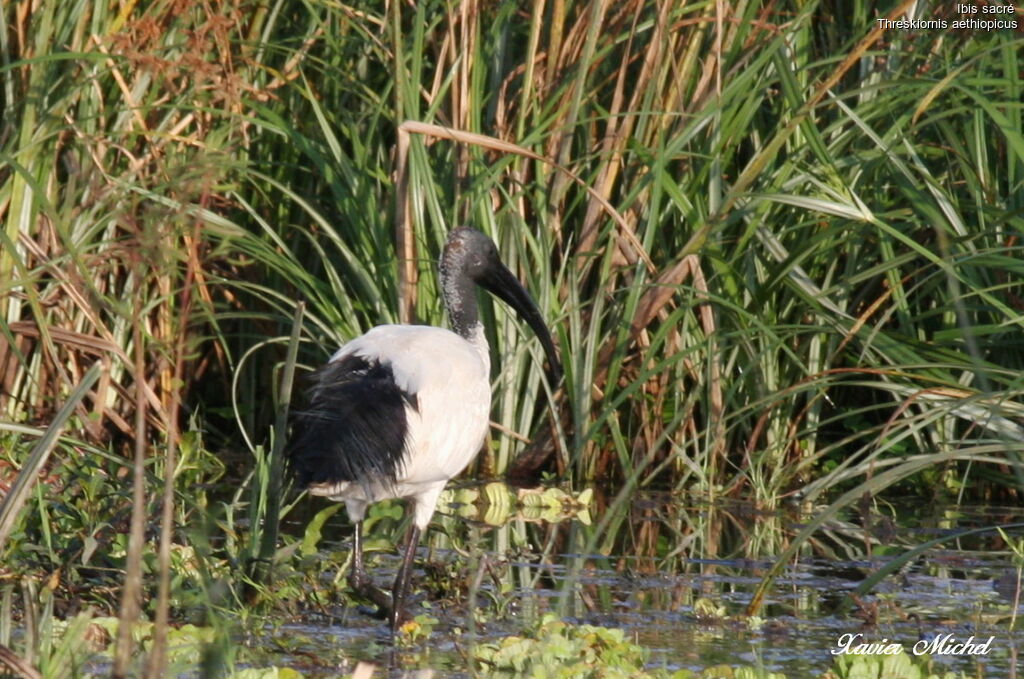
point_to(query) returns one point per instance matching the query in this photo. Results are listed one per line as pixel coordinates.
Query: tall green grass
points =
(779, 247)
(741, 229)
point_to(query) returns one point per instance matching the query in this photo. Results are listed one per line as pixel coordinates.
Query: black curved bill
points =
(501, 282)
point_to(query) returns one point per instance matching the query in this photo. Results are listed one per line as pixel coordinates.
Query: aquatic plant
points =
(557, 649)
(897, 666)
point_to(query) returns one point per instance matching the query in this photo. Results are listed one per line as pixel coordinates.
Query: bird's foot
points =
(375, 595)
(375, 612)
(385, 608)
(395, 617)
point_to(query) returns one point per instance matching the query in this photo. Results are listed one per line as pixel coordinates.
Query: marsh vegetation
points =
(779, 247)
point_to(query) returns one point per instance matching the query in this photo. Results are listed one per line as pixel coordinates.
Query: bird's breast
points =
(447, 377)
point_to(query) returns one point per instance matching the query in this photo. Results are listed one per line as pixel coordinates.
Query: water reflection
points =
(678, 575)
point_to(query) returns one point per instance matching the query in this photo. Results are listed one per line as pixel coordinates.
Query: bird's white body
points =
(450, 378)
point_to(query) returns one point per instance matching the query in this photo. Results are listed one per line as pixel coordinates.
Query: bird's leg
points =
(398, 613)
(360, 582)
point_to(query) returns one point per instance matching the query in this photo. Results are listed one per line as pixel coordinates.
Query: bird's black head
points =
(471, 257)
(469, 252)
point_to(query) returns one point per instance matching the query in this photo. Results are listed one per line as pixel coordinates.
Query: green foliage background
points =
(779, 245)
(772, 240)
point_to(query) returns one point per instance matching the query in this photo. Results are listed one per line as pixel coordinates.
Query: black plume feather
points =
(354, 428)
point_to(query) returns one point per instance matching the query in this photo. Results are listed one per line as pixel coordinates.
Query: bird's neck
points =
(463, 315)
(469, 328)
(460, 301)
(459, 296)
(479, 341)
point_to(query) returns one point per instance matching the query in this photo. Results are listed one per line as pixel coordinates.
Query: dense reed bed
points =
(779, 246)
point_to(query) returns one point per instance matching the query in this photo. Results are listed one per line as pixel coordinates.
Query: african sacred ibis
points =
(399, 411)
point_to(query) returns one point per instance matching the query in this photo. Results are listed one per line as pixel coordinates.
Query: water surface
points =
(657, 582)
